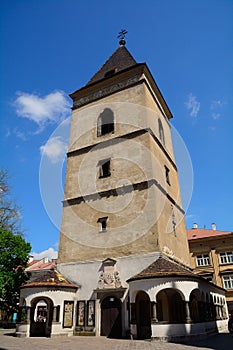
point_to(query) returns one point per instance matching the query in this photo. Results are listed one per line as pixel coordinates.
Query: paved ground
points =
(222, 341)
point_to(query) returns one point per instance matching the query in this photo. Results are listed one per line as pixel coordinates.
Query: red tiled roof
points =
(163, 267)
(198, 233)
(33, 262)
(42, 266)
(121, 59)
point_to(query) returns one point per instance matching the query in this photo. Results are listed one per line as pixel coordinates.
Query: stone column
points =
(154, 312)
(54, 314)
(187, 311)
(28, 318)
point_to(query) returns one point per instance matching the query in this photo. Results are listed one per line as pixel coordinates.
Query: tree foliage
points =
(9, 210)
(14, 255)
(14, 250)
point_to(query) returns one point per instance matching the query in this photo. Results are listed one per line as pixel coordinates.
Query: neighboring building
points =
(211, 254)
(41, 264)
(123, 237)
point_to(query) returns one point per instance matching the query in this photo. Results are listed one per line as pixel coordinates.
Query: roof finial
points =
(121, 36)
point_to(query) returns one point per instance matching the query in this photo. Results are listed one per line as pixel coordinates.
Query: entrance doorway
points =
(111, 324)
(41, 315)
(143, 315)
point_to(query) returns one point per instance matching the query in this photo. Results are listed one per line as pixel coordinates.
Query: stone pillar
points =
(187, 312)
(28, 317)
(154, 312)
(54, 314)
(217, 312)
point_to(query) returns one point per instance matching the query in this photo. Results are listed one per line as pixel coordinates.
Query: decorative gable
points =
(109, 276)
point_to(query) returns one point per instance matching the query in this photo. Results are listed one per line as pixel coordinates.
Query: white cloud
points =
(19, 134)
(55, 149)
(216, 104)
(216, 116)
(216, 107)
(51, 108)
(190, 216)
(48, 253)
(193, 105)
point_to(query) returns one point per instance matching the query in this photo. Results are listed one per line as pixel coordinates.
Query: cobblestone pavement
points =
(222, 341)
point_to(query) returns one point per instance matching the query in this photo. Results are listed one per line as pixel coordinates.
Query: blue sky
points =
(51, 48)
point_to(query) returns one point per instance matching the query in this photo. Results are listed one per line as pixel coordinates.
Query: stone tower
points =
(122, 208)
(122, 194)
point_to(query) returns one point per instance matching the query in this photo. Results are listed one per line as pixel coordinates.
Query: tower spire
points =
(121, 36)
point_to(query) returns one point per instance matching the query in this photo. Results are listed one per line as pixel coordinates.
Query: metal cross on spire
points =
(121, 36)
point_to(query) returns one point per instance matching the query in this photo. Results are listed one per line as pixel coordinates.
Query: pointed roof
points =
(162, 267)
(48, 278)
(121, 59)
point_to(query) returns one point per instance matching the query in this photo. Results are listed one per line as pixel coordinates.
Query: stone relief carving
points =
(109, 277)
(101, 281)
(106, 91)
(168, 251)
(117, 279)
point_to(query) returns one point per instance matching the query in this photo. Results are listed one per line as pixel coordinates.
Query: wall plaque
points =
(68, 314)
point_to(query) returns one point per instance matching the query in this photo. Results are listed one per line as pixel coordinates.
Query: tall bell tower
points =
(122, 194)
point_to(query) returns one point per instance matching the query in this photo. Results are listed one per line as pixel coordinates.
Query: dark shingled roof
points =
(162, 267)
(47, 278)
(121, 59)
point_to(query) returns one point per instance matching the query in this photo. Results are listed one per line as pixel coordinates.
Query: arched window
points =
(105, 123)
(161, 132)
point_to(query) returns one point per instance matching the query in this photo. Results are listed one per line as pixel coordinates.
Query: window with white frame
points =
(226, 257)
(203, 260)
(228, 282)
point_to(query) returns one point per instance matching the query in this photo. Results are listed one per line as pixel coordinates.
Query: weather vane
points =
(121, 36)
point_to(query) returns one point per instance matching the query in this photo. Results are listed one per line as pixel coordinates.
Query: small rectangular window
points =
(226, 257)
(103, 224)
(104, 168)
(203, 260)
(228, 282)
(167, 175)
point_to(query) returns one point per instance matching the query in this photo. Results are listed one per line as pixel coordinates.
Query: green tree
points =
(14, 250)
(14, 255)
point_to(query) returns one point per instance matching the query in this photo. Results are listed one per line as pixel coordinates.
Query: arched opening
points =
(105, 123)
(170, 306)
(212, 308)
(111, 323)
(161, 132)
(195, 305)
(143, 315)
(207, 307)
(41, 315)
